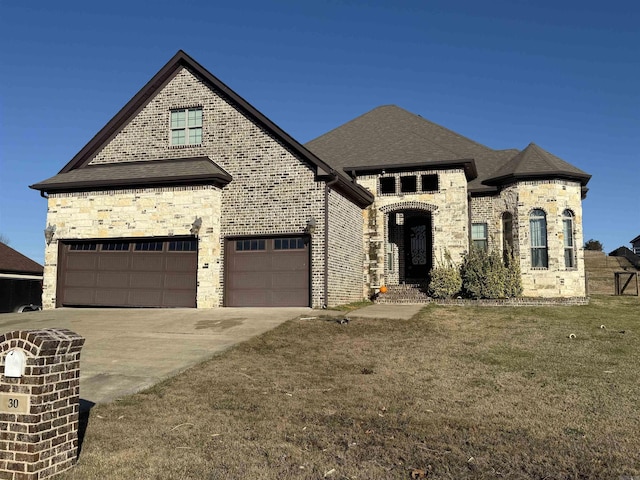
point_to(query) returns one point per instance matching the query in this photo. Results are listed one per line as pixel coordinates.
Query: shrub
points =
(513, 281)
(485, 275)
(445, 279)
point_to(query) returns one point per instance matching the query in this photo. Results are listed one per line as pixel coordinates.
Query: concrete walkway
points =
(128, 350)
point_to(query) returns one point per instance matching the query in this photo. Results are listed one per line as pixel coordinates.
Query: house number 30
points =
(14, 403)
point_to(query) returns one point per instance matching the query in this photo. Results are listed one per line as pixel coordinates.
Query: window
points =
(507, 236)
(186, 126)
(429, 183)
(408, 184)
(388, 185)
(83, 246)
(115, 246)
(288, 243)
(567, 230)
(538, 231)
(148, 246)
(183, 246)
(479, 236)
(248, 245)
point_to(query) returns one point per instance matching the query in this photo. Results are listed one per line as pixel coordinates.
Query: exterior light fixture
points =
(48, 233)
(195, 226)
(311, 226)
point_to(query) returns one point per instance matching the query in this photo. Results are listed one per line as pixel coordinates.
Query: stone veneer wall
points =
(449, 214)
(552, 196)
(272, 192)
(137, 213)
(345, 281)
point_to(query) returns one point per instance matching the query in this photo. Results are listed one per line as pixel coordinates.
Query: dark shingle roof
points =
(390, 136)
(198, 170)
(12, 261)
(534, 162)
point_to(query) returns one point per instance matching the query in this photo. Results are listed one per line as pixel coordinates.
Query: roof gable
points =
(181, 60)
(12, 261)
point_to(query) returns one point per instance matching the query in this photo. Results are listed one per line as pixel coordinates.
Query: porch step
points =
(406, 293)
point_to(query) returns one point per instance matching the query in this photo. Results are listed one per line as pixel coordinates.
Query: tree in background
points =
(4, 239)
(592, 244)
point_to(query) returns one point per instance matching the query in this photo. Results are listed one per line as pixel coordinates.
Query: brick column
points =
(39, 406)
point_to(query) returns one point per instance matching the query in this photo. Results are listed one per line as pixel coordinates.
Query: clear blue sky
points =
(562, 74)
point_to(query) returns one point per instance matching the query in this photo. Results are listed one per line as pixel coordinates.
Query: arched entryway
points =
(408, 243)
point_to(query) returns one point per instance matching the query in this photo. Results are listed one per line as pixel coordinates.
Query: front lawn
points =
(455, 393)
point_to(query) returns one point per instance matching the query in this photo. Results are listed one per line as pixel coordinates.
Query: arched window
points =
(507, 235)
(538, 233)
(569, 245)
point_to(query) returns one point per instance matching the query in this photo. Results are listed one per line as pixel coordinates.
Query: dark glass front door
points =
(417, 248)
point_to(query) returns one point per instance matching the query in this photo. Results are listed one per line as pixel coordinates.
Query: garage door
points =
(147, 272)
(267, 272)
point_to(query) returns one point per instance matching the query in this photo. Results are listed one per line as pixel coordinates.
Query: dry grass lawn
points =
(457, 393)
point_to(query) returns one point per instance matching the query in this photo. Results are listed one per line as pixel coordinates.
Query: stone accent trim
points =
(43, 442)
(408, 206)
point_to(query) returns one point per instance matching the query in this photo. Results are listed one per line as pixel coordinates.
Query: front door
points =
(417, 243)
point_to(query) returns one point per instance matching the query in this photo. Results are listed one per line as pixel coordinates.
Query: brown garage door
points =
(267, 272)
(147, 272)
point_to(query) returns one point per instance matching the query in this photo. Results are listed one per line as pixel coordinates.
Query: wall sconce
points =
(311, 226)
(195, 226)
(48, 233)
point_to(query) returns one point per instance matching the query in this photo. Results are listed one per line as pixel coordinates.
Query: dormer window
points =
(186, 126)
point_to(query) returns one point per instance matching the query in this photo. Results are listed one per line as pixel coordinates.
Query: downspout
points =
(327, 186)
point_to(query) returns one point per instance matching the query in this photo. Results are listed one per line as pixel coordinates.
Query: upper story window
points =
(186, 126)
(429, 183)
(538, 231)
(408, 184)
(569, 246)
(388, 185)
(479, 236)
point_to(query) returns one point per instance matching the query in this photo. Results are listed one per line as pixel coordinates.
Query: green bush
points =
(513, 286)
(445, 279)
(485, 275)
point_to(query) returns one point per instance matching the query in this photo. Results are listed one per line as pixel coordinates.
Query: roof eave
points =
(219, 180)
(468, 164)
(516, 177)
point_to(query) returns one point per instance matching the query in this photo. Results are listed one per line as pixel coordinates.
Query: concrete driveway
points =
(127, 350)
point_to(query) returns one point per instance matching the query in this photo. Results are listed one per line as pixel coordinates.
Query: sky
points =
(503, 73)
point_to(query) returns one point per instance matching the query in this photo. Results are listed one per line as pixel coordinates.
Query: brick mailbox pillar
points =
(39, 402)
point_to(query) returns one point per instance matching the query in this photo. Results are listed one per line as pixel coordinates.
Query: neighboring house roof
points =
(637, 239)
(324, 171)
(534, 162)
(12, 261)
(391, 137)
(198, 170)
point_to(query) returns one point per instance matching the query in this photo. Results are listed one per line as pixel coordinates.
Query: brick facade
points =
(273, 192)
(345, 282)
